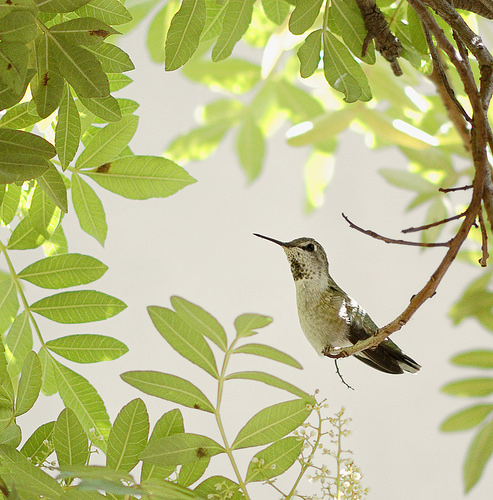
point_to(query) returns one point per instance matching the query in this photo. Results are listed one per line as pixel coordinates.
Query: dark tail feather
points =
(388, 358)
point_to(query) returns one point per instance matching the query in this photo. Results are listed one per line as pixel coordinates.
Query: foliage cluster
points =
(64, 133)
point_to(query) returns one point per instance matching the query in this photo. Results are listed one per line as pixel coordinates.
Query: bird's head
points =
(306, 256)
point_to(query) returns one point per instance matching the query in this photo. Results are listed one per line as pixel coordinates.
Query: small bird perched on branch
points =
(328, 316)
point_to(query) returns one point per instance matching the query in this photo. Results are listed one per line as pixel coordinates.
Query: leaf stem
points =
(20, 291)
(227, 447)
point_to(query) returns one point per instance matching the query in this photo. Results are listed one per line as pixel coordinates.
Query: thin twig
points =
(433, 224)
(341, 377)
(483, 261)
(451, 190)
(377, 236)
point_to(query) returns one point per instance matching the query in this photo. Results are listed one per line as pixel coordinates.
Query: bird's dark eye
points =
(310, 247)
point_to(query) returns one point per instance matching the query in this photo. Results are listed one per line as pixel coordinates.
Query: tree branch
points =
(433, 224)
(377, 236)
(480, 135)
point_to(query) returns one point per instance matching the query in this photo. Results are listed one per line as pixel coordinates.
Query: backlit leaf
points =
(471, 387)
(180, 449)
(128, 437)
(184, 33)
(62, 271)
(106, 108)
(276, 10)
(272, 423)
(142, 177)
(267, 352)
(89, 209)
(200, 320)
(109, 11)
(246, 324)
(87, 348)
(81, 306)
(304, 15)
(309, 53)
(169, 387)
(479, 453)
(250, 146)
(52, 183)
(70, 440)
(236, 20)
(467, 418)
(274, 460)
(480, 358)
(18, 343)
(183, 338)
(29, 384)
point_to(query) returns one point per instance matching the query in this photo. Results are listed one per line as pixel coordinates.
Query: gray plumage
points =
(328, 316)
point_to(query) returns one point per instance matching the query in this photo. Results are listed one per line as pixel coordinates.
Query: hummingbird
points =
(328, 316)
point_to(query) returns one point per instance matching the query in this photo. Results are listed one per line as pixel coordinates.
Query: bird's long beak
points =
(270, 239)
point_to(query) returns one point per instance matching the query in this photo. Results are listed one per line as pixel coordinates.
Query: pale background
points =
(198, 244)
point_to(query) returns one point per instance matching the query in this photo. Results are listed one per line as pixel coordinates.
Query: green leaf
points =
(106, 108)
(200, 321)
(28, 480)
(214, 20)
(79, 395)
(267, 352)
(10, 203)
(47, 84)
(11, 436)
(158, 28)
(52, 183)
(81, 306)
(192, 472)
(233, 75)
(9, 98)
(271, 380)
(67, 132)
(29, 384)
(18, 343)
(112, 58)
(49, 386)
(89, 209)
(82, 31)
(245, 324)
(471, 387)
(13, 65)
(407, 180)
(236, 20)
(109, 11)
(250, 145)
(480, 358)
(309, 53)
(169, 387)
(62, 271)
(9, 304)
(142, 177)
(128, 437)
(274, 460)
(18, 26)
(60, 5)
(24, 236)
(87, 348)
(19, 116)
(183, 338)
(467, 418)
(170, 423)
(304, 15)
(80, 68)
(349, 20)
(107, 143)
(342, 72)
(20, 167)
(479, 453)
(57, 244)
(272, 423)
(180, 449)
(70, 440)
(184, 33)
(39, 445)
(276, 10)
(44, 215)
